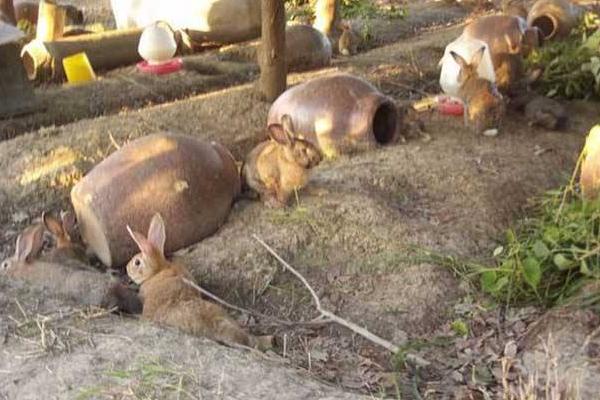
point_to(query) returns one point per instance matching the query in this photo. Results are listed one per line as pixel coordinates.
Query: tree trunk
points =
(273, 71)
(50, 21)
(7, 12)
(327, 16)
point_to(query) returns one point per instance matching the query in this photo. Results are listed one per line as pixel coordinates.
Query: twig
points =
(22, 310)
(350, 325)
(415, 385)
(254, 313)
(113, 141)
(408, 87)
(588, 339)
(569, 188)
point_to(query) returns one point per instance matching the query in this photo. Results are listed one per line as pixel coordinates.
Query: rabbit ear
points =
(459, 60)
(288, 126)
(68, 222)
(477, 57)
(278, 133)
(156, 233)
(143, 244)
(53, 225)
(29, 243)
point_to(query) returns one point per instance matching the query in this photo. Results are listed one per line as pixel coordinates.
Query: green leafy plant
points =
(550, 255)
(299, 10)
(459, 327)
(571, 66)
(367, 9)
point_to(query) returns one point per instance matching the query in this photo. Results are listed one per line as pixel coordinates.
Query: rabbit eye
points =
(137, 262)
(5, 265)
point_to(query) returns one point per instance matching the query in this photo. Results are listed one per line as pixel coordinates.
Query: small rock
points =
(510, 349)
(19, 217)
(400, 337)
(457, 377)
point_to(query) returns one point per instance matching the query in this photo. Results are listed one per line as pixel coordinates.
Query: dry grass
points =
(54, 332)
(549, 384)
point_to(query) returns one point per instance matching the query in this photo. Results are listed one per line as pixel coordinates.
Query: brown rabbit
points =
(540, 110)
(546, 112)
(167, 299)
(484, 106)
(84, 286)
(62, 231)
(276, 168)
(514, 7)
(348, 42)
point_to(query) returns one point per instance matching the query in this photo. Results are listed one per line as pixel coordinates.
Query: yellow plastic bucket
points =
(78, 68)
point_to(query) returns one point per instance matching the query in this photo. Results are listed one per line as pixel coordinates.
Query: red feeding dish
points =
(448, 106)
(166, 67)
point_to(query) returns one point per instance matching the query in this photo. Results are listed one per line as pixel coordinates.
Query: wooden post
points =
(7, 12)
(327, 17)
(50, 21)
(105, 50)
(273, 70)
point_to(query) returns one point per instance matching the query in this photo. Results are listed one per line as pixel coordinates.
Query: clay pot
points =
(554, 18)
(508, 39)
(590, 168)
(306, 48)
(338, 113)
(190, 182)
(220, 21)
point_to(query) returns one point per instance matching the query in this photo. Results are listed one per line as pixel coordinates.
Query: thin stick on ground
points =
(205, 292)
(571, 185)
(113, 141)
(348, 324)
(408, 87)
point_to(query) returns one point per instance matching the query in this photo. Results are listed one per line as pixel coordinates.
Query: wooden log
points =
(327, 17)
(7, 12)
(105, 50)
(50, 21)
(15, 90)
(273, 73)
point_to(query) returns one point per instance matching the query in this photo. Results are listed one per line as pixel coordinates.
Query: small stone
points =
(19, 216)
(457, 377)
(510, 349)
(400, 337)
(490, 132)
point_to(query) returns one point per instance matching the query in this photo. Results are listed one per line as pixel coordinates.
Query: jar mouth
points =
(547, 24)
(385, 123)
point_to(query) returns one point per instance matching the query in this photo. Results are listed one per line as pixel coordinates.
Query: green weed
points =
(551, 255)
(366, 9)
(571, 66)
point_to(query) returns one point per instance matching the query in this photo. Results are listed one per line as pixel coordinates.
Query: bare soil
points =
(362, 234)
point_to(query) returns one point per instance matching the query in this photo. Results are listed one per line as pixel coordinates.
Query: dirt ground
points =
(360, 233)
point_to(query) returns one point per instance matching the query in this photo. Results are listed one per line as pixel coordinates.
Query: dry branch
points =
(250, 312)
(341, 321)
